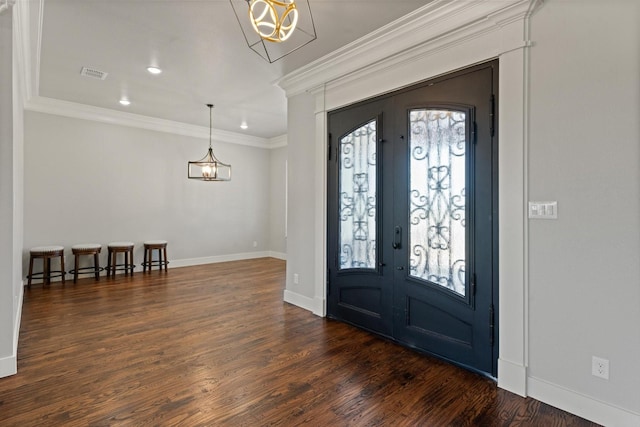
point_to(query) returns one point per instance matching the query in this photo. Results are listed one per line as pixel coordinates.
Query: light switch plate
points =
(543, 210)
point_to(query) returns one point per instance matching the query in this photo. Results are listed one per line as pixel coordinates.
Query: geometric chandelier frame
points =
(209, 168)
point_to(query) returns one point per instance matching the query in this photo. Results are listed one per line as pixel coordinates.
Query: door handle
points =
(397, 237)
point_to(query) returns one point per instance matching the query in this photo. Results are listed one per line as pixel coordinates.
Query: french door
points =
(412, 216)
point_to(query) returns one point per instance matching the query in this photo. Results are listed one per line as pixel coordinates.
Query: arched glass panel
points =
(437, 197)
(358, 198)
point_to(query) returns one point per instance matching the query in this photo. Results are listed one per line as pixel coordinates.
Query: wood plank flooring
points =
(215, 345)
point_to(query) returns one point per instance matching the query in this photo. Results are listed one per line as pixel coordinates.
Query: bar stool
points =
(114, 248)
(86, 249)
(46, 253)
(161, 247)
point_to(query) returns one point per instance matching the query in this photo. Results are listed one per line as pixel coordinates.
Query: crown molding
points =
(436, 26)
(104, 115)
(278, 141)
(5, 5)
(28, 68)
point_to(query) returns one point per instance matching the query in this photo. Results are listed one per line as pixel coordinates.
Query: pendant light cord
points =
(210, 122)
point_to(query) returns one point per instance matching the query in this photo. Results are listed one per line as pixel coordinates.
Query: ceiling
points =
(200, 48)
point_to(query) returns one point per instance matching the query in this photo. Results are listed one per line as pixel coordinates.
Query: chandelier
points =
(209, 168)
(275, 28)
(273, 20)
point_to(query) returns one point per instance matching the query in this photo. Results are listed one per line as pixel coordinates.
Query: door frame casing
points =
(504, 36)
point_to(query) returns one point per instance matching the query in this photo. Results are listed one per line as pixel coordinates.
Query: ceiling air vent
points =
(93, 73)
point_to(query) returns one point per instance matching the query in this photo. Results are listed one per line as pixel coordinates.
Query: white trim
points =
(35, 82)
(512, 377)
(6, 5)
(277, 255)
(434, 27)
(585, 406)
(88, 112)
(9, 364)
(21, 50)
(314, 305)
(278, 141)
(188, 262)
(218, 258)
(320, 191)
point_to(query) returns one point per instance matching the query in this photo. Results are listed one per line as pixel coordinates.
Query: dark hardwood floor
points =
(216, 345)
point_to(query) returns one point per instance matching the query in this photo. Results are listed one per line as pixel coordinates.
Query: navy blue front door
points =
(412, 216)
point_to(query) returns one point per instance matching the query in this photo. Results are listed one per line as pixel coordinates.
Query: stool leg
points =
(30, 271)
(160, 259)
(109, 263)
(96, 265)
(164, 250)
(75, 268)
(131, 259)
(46, 268)
(63, 272)
(144, 263)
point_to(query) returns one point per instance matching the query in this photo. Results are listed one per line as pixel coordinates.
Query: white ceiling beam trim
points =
(433, 27)
(87, 112)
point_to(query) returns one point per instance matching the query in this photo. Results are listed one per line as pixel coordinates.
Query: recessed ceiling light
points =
(244, 126)
(154, 70)
(125, 101)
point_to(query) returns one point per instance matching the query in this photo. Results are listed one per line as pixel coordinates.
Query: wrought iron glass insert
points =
(437, 197)
(358, 199)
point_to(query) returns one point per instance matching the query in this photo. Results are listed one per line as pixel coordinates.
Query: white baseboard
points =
(9, 364)
(219, 258)
(193, 261)
(278, 255)
(320, 307)
(581, 405)
(512, 377)
(314, 305)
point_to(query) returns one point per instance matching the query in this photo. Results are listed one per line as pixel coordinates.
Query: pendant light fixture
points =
(275, 28)
(209, 168)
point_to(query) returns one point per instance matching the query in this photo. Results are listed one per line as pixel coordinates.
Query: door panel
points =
(425, 277)
(362, 287)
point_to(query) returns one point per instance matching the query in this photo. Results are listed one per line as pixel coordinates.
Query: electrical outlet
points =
(255, 244)
(296, 278)
(600, 367)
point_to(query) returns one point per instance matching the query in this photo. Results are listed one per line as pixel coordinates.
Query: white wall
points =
(11, 140)
(575, 284)
(301, 210)
(277, 200)
(584, 152)
(6, 189)
(93, 182)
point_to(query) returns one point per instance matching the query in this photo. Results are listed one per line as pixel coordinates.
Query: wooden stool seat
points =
(86, 249)
(149, 247)
(114, 248)
(46, 253)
